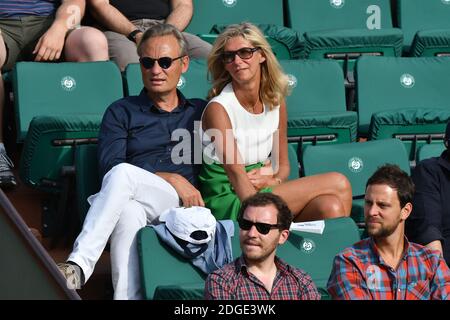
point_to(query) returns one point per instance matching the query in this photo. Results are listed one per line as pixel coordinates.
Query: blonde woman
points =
(245, 123)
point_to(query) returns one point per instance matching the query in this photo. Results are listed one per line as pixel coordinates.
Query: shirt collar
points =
(147, 104)
(282, 266)
(405, 253)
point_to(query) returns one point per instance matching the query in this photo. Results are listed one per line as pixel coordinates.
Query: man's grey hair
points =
(160, 30)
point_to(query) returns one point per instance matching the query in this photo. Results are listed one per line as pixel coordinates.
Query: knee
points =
(340, 182)
(87, 44)
(331, 206)
(119, 172)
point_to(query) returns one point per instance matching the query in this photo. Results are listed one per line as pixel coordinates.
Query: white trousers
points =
(130, 198)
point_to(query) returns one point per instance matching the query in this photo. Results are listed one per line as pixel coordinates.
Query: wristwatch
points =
(132, 35)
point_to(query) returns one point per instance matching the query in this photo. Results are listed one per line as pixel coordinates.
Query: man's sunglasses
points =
(163, 62)
(243, 53)
(263, 228)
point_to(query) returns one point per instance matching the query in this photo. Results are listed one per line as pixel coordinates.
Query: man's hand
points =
(50, 44)
(188, 194)
(262, 177)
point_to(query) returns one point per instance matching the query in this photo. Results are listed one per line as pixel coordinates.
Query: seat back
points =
(68, 88)
(210, 12)
(403, 97)
(312, 15)
(357, 161)
(50, 145)
(430, 150)
(417, 15)
(314, 253)
(193, 83)
(312, 113)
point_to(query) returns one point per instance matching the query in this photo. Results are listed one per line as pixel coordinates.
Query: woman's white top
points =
(253, 132)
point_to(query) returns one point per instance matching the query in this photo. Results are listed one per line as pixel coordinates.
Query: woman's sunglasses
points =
(243, 53)
(263, 228)
(163, 62)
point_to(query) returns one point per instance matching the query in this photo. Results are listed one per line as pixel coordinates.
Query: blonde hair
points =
(274, 83)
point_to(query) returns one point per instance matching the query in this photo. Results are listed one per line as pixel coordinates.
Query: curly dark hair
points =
(284, 216)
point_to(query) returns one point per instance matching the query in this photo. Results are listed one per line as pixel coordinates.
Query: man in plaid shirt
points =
(264, 221)
(386, 266)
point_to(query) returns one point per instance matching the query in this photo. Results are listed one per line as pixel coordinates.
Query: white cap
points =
(183, 222)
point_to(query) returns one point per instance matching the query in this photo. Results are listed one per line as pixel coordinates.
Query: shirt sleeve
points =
(424, 225)
(216, 288)
(346, 282)
(440, 286)
(308, 290)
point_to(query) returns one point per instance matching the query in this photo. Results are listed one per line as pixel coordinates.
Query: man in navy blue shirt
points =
(429, 223)
(141, 177)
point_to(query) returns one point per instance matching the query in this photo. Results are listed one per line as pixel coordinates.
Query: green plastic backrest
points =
(312, 15)
(357, 160)
(314, 253)
(293, 163)
(430, 150)
(161, 266)
(210, 12)
(47, 89)
(418, 15)
(42, 158)
(28, 272)
(387, 84)
(316, 86)
(86, 176)
(193, 83)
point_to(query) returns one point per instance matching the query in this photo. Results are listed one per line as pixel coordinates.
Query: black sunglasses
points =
(263, 228)
(243, 53)
(163, 62)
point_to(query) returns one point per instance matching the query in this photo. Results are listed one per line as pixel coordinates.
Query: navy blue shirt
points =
(430, 217)
(134, 130)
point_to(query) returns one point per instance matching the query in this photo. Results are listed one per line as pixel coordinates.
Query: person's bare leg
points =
(86, 44)
(317, 197)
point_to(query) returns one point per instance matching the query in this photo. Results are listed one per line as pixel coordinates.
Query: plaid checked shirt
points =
(359, 273)
(234, 282)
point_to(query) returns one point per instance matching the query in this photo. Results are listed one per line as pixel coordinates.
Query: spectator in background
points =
(258, 274)
(124, 22)
(141, 179)
(244, 123)
(42, 30)
(429, 223)
(386, 266)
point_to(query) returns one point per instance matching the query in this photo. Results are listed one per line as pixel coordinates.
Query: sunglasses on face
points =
(163, 62)
(263, 228)
(243, 53)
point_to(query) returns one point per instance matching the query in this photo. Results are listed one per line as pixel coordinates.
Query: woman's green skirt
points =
(218, 193)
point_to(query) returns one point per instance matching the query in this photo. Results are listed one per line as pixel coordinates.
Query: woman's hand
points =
(262, 177)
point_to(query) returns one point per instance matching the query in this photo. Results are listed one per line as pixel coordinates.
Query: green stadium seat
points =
(429, 151)
(344, 30)
(426, 27)
(193, 83)
(404, 98)
(268, 17)
(207, 13)
(170, 276)
(59, 106)
(87, 180)
(357, 161)
(68, 88)
(293, 162)
(316, 106)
